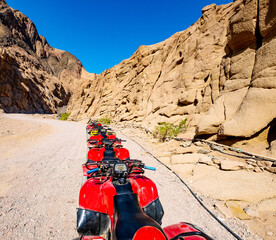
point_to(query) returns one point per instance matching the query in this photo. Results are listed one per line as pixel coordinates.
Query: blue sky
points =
(102, 33)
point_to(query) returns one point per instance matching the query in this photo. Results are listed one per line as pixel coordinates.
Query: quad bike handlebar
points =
(120, 168)
(105, 141)
(150, 168)
(93, 170)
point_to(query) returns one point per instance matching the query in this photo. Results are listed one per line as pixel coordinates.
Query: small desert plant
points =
(166, 130)
(105, 120)
(64, 116)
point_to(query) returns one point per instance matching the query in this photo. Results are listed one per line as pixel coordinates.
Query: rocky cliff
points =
(167, 81)
(34, 77)
(247, 81)
(220, 73)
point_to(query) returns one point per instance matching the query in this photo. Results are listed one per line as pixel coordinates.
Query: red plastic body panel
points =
(95, 154)
(121, 153)
(149, 232)
(91, 126)
(111, 136)
(176, 229)
(97, 194)
(97, 137)
(92, 238)
(144, 188)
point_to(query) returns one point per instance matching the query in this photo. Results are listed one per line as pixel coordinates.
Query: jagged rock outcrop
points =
(248, 75)
(34, 77)
(220, 73)
(168, 81)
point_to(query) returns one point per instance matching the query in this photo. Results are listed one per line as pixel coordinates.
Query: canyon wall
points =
(219, 73)
(34, 77)
(167, 81)
(247, 82)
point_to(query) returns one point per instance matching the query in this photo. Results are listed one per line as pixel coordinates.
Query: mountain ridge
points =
(34, 76)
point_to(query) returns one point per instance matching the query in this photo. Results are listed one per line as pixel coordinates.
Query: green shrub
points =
(105, 120)
(64, 116)
(166, 130)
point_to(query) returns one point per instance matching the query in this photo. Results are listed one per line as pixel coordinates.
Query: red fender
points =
(97, 195)
(144, 188)
(92, 238)
(111, 136)
(95, 154)
(97, 137)
(121, 153)
(149, 232)
(176, 229)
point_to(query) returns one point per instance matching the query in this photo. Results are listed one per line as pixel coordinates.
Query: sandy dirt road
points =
(40, 172)
(41, 180)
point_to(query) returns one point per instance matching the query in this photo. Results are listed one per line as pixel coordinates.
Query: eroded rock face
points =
(168, 81)
(219, 73)
(249, 65)
(34, 77)
(221, 70)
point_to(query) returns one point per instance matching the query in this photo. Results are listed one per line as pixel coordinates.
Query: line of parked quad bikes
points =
(116, 199)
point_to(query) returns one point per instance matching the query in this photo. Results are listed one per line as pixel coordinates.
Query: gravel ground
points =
(41, 182)
(41, 195)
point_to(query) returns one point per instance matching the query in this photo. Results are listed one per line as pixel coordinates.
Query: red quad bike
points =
(119, 203)
(91, 127)
(102, 134)
(110, 149)
(107, 148)
(96, 141)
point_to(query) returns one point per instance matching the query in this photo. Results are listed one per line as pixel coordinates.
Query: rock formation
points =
(247, 101)
(34, 77)
(219, 73)
(168, 81)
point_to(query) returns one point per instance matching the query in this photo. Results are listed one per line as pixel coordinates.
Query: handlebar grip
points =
(92, 170)
(150, 168)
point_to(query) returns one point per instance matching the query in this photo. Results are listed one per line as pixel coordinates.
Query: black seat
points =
(109, 152)
(129, 217)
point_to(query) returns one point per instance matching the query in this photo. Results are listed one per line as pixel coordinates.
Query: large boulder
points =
(253, 114)
(258, 108)
(223, 109)
(241, 32)
(267, 18)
